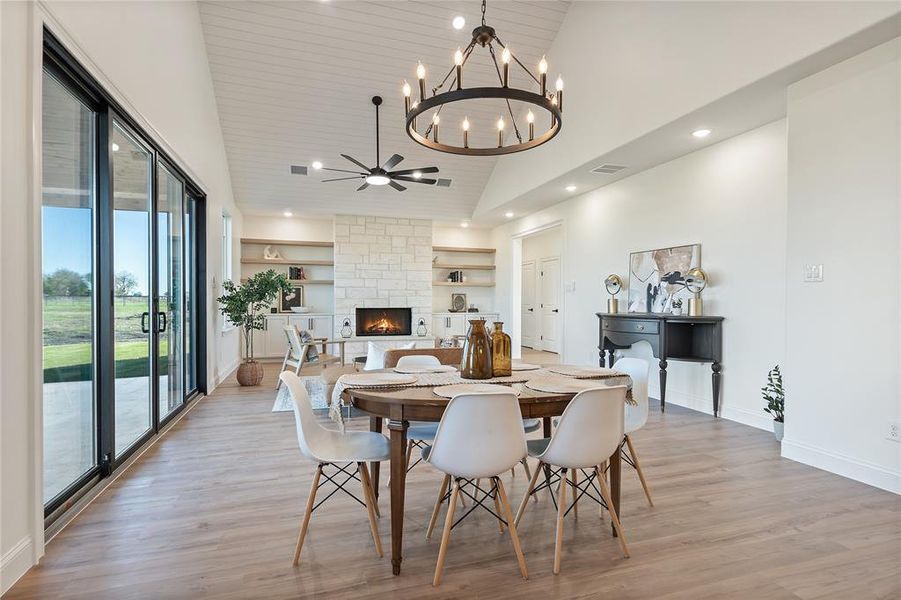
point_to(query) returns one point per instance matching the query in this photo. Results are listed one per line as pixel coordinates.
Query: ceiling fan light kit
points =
(484, 36)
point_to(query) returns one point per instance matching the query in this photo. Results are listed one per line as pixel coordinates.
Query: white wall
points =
(151, 56)
(631, 67)
(289, 228)
(731, 198)
(545, 244)
(842, 355)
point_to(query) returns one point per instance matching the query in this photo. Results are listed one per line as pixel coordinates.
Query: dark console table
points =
(693, 339)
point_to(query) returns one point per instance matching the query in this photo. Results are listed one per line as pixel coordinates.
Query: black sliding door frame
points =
(61, 65)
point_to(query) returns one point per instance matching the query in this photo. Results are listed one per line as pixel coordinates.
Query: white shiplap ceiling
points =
(293, 82)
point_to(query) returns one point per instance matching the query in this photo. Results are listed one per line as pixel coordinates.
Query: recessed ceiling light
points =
(700, 133)
(288, 213)
(115, 147)
(570, 188)
(464, 224)
(459, 22)
(316, 165)
(508, 214)
(417, 174)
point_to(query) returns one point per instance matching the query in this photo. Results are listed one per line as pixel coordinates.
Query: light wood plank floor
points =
(212, 512)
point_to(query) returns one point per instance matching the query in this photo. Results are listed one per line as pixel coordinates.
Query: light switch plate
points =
(813, 273)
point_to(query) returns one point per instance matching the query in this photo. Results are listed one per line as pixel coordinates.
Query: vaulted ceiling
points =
(293, 82)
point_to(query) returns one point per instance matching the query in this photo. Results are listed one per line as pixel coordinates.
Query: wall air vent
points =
(608, 169)
(298, 170)
(443, 183)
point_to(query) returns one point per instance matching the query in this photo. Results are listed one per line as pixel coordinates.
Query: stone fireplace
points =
(384, 321)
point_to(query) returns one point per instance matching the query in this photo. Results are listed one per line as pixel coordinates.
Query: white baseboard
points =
(846, 466)
(15, 562)
(223, 374)
(705, 405)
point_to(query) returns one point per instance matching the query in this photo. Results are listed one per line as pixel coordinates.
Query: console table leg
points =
(662, 386)
(716, 378)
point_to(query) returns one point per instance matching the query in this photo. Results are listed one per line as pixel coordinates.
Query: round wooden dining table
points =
(399, 406)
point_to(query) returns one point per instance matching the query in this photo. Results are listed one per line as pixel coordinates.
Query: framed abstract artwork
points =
(292, 298)
(656, 276)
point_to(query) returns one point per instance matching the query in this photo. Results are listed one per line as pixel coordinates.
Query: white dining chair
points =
(330, 448)
(589, 432)
(479, 437)
(636, 415)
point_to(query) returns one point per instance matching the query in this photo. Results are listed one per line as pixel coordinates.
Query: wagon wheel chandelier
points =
(486, 37)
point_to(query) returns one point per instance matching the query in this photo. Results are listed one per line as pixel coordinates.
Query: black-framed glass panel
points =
(191, 320)
(132, 288)
(170, 278)
(67, 221)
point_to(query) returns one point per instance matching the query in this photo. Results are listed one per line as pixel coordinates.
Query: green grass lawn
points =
(67, 339)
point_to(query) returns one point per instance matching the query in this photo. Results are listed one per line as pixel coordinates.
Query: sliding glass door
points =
(122, 235)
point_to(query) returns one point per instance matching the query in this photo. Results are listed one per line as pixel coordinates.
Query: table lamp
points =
(695, 282)
(614, 285)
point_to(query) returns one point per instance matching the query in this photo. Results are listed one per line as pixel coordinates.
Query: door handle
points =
(556, 310)
(144, 322)
(531, 310)
(162, 319)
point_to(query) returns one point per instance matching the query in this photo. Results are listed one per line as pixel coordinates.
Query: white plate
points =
(525, 367)
(422, 370)
(561, 385)
(300, 309)
(571, 371)
(449, 391)
(376, 379)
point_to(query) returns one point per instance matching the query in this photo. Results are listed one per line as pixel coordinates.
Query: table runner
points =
(438, 379)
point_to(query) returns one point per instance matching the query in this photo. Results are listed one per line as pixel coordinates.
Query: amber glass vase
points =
(476, 362)
(501, 352)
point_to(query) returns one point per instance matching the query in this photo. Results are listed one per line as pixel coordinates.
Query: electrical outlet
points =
(894, 431)
(813, 273)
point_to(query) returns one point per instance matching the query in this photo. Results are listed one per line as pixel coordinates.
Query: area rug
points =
(315, 389)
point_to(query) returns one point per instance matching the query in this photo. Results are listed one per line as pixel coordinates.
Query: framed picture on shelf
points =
(458, 303)
(292, 298)
(657, 277)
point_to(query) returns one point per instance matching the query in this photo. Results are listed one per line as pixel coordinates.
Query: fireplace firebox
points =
(384, 321)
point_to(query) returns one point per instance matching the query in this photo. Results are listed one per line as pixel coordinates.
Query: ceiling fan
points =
(383, 175)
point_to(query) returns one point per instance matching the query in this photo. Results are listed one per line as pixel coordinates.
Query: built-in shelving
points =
(316, 258)
(461, 249)
(462, 267)
(479, 270)
(300, 262)
(306, 282)
(464, 283)
(267, 242)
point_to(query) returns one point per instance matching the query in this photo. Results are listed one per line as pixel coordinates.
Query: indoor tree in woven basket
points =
(245, 306)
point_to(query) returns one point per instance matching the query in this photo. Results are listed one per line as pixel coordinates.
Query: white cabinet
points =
(451, 324)
(319, 326)
(274, 342)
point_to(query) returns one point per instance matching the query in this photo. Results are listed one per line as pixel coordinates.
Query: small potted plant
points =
(246, 306)
(775, 400)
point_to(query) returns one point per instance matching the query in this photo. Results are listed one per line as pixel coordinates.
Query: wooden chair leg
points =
(278, 384)
(644, 483)
(375, 500)
(605, 492)
(497, 506)
(368, 496)
(603, 474)
(574, 477)
(311, 499)
(445, 535)
(525, 466)
(561, 508)
(525, 499)
(511, 526)
(438, 501)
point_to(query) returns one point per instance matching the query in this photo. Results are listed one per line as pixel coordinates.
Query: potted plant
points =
(245, 306)
(775, 400)
(677, 307)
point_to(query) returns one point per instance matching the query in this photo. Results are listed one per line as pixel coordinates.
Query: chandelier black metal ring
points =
(484, 36)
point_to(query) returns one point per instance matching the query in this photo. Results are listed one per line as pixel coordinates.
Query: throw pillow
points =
(375, 355)
(312, 351)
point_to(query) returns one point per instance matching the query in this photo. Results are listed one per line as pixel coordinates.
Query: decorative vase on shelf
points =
(501, 352)
(476, 363)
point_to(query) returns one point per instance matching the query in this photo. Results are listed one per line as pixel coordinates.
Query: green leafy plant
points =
(774, 395)
(245, 305)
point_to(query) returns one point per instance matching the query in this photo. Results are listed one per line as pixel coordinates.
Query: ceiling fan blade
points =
(414, 180)
(341, 179)
(345, 171)
(411, 171)
(363, 187)
(396, 186)
(391, 162)
(358, 163)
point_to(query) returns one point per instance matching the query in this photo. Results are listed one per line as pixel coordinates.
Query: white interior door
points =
(529, 305)
(549, 288)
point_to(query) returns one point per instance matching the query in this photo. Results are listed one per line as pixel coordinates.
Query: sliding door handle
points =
(161, 322)
(144, 328)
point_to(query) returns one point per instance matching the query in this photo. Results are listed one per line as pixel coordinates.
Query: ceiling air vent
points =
(298, 170)
(608, 169)
(443, 183)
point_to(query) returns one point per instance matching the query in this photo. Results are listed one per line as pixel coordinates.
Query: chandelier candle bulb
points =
(542, 72)
(530, 118)
(413, 107)
(500, 132)
(435, 121)
(466, 132)
(407, 92)
(505, 58)
(560, 92)
(420, 74)
(458, 63)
